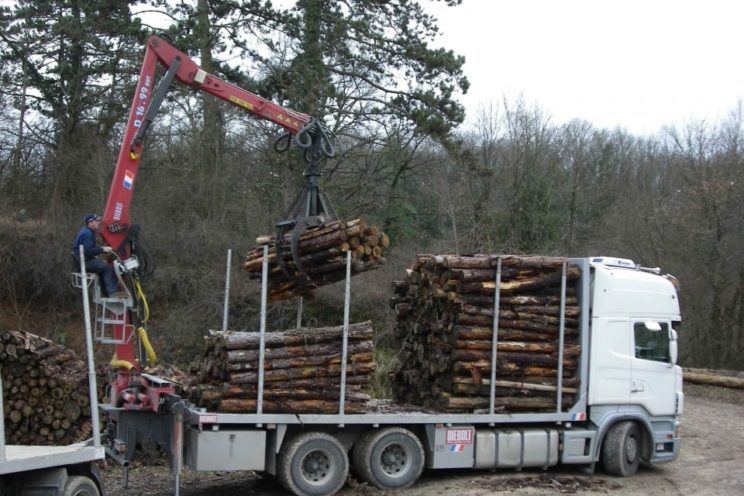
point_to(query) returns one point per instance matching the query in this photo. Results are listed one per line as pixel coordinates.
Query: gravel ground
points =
(711, 463)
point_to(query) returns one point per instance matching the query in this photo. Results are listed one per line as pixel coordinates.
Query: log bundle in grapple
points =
(45, 391)
(302, 370)
(322, 256)
(445, 309)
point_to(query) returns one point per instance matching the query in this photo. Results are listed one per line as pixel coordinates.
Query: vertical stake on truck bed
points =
(561, 333)
(345, 342)
(299, 313)
(92, 387)
(177, 449)
(262, 329)
(2, 422)
(495, 336)
(227, 290)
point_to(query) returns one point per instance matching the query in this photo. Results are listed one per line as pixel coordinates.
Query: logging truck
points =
(626, 410)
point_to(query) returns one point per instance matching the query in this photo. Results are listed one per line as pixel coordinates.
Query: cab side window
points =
(652, 344)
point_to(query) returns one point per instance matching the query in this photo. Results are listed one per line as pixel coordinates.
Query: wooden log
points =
(477, 402)
(526, 325)
(530, 380)
(482, 275)
(247, 340)
(301, 373)
(229, 391)
(288, 406)
(462, 332)
(546, 315)
(485, 385)
(543, 300)
(503, 389)
(713, 380)
(529, 358)
(520, 285)
(320, 349)
(524, 346)
(511, 368)
(302, 361)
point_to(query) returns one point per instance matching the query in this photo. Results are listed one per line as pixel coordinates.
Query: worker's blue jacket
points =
(87, 238)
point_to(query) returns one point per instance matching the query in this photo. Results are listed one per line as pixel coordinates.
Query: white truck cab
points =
(633, 371)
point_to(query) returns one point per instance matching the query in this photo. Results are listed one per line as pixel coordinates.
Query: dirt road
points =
(711, 463)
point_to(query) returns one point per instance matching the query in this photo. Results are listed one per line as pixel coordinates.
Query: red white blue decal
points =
(578, 417)
(456, 448)
(128, 179)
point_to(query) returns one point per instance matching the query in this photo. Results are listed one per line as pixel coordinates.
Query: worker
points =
(87, 237)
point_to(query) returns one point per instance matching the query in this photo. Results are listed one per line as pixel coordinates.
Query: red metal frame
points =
(116, 216)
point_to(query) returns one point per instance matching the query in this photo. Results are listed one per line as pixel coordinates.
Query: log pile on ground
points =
(45, 391)
(721, 378)
(322, 253)
(302, 370)
(444, 311)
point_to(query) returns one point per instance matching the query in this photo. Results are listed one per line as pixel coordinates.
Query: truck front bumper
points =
(666, 445)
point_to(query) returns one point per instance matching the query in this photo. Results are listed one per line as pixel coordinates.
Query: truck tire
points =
(621, 449)
(313, 464)
(390, 458)
(79, 485)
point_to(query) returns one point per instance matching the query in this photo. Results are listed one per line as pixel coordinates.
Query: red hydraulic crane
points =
(131, 390)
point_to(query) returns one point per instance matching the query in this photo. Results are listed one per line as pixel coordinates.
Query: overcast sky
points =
(631, 63)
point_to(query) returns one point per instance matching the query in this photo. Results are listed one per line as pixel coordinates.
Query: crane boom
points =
(116, 214)
(130, 389)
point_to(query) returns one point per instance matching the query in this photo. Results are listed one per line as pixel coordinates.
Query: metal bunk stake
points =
(495, 337)
(561, 334)
(345, 343)
(227, 290)
(92, 387)
(262, 329)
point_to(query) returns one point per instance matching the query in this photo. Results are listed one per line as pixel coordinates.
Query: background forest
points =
(515, 181)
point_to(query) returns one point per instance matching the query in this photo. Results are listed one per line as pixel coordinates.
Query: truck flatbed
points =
(385, 412)
(25, 458)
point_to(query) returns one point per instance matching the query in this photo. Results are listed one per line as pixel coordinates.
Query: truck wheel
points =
(390, 458)
(621, 450)
(313, 464)
(78, 485)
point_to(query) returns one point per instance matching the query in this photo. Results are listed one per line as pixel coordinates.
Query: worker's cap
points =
(90, 217)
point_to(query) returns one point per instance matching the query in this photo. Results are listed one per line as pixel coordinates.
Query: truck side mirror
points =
(673, 347)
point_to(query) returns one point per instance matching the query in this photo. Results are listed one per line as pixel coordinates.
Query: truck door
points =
(652, 371)
(611, 356)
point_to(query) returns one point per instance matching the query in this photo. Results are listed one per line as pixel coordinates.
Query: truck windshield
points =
(652, 345)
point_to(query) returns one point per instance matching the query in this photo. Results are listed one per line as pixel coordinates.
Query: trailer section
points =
(626, 321)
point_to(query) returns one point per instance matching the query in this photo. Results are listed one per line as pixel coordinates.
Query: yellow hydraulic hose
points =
(120, 364)
(145, 340)
(141, 297)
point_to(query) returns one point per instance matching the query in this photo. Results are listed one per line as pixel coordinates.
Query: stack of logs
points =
(302, 370)
(322, 252)
(444, 311)
(45, 391)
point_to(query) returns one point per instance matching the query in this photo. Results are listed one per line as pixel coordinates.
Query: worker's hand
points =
(107, 249)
